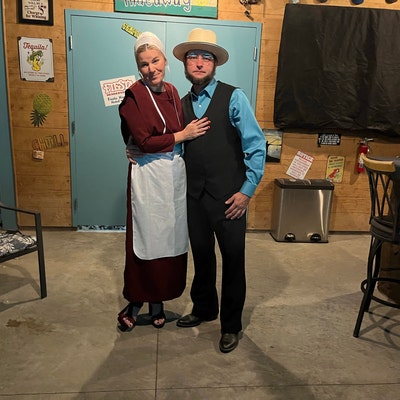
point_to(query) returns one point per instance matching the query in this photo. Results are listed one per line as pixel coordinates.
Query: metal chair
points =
(384, 185)
(31, 245)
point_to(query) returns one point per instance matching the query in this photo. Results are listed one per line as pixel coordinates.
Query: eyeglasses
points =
(192, 57)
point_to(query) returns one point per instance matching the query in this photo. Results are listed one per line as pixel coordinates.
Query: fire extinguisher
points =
(362, 149)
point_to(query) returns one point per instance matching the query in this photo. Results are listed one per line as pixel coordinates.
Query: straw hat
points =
(201, 39)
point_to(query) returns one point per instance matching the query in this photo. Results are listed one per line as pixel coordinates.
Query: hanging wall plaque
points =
(35, 12)
(36, 59)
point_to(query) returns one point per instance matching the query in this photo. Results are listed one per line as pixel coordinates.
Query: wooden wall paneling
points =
(43, 185)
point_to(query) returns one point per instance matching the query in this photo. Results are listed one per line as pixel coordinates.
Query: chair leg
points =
(42, 274)
(42, 269)
(360, 316)
(374, 260)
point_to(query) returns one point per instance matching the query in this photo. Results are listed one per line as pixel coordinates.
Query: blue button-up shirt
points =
(243, 119)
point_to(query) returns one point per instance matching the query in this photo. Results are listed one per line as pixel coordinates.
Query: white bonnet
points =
(149, 39)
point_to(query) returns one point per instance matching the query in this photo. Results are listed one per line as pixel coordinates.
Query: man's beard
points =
(200, 81)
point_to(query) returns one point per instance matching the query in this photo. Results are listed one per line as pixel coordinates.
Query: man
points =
(223, 169)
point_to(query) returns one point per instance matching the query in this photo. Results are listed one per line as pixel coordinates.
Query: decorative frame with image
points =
(273, 143)
(35, 12)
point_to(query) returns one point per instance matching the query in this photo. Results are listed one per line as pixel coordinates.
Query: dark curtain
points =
(339, 68)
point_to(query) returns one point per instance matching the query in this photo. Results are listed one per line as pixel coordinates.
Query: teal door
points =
(100, 48)
(7, 192)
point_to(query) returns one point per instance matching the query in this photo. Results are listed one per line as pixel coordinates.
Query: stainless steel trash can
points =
(301, 210)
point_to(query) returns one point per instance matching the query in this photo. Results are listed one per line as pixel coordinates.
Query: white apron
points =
(158, 199)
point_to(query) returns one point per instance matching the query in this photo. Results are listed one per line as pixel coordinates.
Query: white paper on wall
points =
(113, 90)
(300, 165)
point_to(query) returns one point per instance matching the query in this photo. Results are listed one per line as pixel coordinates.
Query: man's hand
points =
(237, 205)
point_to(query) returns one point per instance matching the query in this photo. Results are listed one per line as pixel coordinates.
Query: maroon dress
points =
(157, 279)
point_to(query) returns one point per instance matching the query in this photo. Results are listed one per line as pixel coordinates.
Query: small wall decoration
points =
(187, 8)
(273, 142)
(41, 144)
(131, 30)
(42, 105)
(36, 59)
(35, 12)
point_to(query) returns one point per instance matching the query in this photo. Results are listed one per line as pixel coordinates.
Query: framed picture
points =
(35, 12)
(273, 142)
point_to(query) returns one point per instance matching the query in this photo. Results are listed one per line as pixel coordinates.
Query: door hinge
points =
(73, 128)
(75, 204)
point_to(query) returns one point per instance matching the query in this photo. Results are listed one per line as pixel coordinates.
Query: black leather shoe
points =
(190, 320)
(228, 342)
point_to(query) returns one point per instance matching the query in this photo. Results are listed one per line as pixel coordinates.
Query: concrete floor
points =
(297, 342)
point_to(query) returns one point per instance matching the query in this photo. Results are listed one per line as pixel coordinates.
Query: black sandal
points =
(125, 319)
(158, 316)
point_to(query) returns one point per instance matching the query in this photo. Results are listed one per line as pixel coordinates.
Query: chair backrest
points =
(384, 185)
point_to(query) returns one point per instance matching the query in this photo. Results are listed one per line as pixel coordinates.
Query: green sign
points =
(187, 8)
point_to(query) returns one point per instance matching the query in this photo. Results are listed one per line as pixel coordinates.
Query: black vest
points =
(214, 162)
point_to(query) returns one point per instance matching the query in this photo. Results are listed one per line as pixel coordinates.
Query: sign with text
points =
(113, 90)
(332, 139)
(36, 59)
(300, 165)
(187, 8)
(335, 169)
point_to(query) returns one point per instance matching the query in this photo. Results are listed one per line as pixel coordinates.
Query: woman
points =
(156, 227)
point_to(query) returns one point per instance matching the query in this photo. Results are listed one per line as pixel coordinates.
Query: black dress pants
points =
(207, 221)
